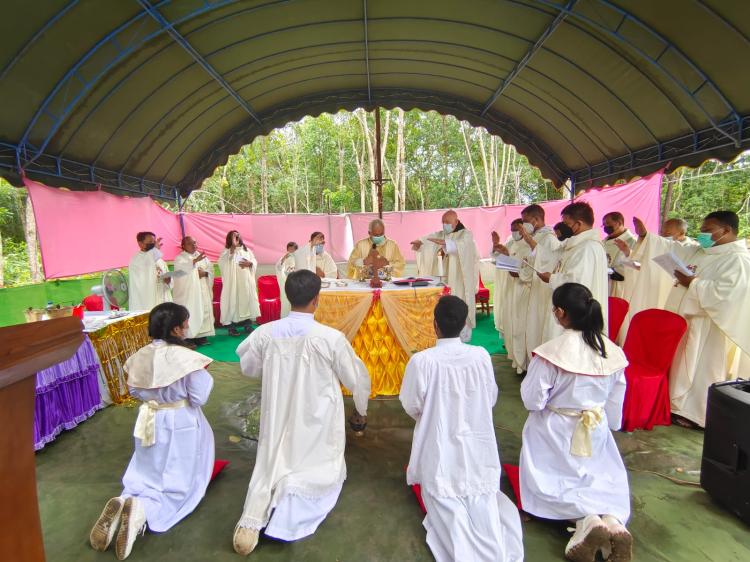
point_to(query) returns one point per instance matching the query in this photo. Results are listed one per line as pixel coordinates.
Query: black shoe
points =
(201, 341)
(248, 328)
(233, 331)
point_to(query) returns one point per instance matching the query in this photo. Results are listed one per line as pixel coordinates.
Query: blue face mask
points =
(377, 239)
(447, 228)
(705, 239)
(318, 248)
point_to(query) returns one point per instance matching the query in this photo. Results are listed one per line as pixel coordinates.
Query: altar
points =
(385, 326)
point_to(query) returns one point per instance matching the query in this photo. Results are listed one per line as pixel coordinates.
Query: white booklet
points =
(507, 263)
(174, 274)
(670, 263)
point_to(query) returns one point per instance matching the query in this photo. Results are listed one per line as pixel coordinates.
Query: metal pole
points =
(378, 170)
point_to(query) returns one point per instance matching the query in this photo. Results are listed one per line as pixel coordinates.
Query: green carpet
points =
(222, 346)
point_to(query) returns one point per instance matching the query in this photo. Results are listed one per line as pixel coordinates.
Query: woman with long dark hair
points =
(239, 293)
(174, 445)
(570, 466)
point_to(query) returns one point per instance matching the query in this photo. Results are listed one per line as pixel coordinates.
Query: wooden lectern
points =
(24, 350)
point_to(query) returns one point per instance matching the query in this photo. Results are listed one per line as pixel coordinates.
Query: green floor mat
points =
(486, 336)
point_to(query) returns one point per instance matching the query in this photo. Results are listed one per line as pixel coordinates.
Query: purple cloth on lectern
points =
(66, 394)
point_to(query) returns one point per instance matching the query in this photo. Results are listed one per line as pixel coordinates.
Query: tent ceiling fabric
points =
(158, 93)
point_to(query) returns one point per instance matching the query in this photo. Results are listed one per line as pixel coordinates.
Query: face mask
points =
(528, 227)
(447, 228)
(705, 239)
(377, 239)
(150, 246)
(516, 236)
(318, 248)
(609, 229)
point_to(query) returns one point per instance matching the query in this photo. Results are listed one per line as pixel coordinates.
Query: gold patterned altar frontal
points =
(384, 327)
(114, 344)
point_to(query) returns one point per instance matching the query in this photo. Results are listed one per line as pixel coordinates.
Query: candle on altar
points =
(440, 265)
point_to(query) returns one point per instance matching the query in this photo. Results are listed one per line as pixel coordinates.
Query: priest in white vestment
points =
(500, 287)
(570, 467)
(452, 255)
(715, 301)
(450, 391)
(614, 226)
(284, 267)
(148, 279)
(516, 298)
(194, 290)
(174, 446)
(384, 246)
(582, 260)
(239, 291)
(545, 255)
(649, 287)
(313, 257)
(299, 467)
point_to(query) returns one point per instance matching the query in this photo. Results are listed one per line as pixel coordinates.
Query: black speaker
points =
(726, 446)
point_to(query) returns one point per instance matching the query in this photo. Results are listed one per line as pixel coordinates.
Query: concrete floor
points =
(377, 517)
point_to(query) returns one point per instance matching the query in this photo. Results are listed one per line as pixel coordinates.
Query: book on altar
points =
(507, 263)
(670, 263)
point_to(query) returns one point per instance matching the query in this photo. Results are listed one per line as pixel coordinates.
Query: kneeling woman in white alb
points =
(570, 467)
(174, 445)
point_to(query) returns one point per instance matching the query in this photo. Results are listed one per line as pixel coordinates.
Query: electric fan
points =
(113, 289)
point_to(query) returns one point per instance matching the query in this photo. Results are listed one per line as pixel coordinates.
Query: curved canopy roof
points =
(154, 94)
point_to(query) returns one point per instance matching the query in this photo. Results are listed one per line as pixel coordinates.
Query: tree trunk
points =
(362, 118)
(400, 185)
(2, 262)
(263, 175)
(471, 163)
(222, 183)
(29, 230)
(360, 163)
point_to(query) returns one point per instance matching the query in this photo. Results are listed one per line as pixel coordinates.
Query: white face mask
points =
(516, 236)
(528, 227)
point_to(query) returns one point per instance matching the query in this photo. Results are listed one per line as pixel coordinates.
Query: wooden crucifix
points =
(375, 262)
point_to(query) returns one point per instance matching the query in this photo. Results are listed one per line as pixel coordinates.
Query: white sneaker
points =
(591, 535)
(105, 527)
(132, 523)
(245, 540)
(620, 539)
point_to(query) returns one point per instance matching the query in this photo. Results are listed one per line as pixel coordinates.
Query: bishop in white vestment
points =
(239, 292)
(194, 289)
(174, 445)
(716, 304)
(452, 254)
(570, 467)
(450, 391)
(147, 283)
(299, 468)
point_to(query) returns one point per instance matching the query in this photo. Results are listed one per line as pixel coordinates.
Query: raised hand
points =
(495, 238)
(622, 246)
(416, 245)
(640, 228)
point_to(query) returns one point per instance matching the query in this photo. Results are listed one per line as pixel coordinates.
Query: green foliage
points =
(16, 263)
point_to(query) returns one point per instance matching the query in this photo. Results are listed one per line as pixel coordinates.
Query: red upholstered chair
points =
(217, 301)
(483, 297)
(618, 309)
(650, 346)
(270, 299)
(95, 303)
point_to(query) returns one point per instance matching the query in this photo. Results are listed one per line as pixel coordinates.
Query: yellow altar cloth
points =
(114, 344)
(385, 327)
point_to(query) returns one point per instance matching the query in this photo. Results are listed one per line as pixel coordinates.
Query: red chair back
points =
(268, 287)
(618, 309)
(93, 303)
(481, 285)
(653, 338)
(218, 285)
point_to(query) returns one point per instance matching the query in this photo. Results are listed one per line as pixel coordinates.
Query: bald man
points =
(376, 240)
(453, 252)
(649, 287)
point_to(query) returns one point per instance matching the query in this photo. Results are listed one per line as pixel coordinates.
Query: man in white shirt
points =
(450, 391)
(299, 468)
(148, 284)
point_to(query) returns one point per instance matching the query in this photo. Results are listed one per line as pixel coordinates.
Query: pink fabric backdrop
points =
(82, 232)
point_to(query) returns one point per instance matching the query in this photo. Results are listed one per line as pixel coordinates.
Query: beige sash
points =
(145, 425)
(580, 444)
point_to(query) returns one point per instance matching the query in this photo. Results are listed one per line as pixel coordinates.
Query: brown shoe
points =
(105, 527)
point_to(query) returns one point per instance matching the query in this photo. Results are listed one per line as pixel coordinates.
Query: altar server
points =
(613, 225)
(284, 267)
(174, 445)
(194, 290)
(313, 257)
(148, 284)
(299, 467)
(239, 292)
(570, 468)
(582, 260)
(716, 304)
(451, 253)
(377, 240)
(450, 391)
